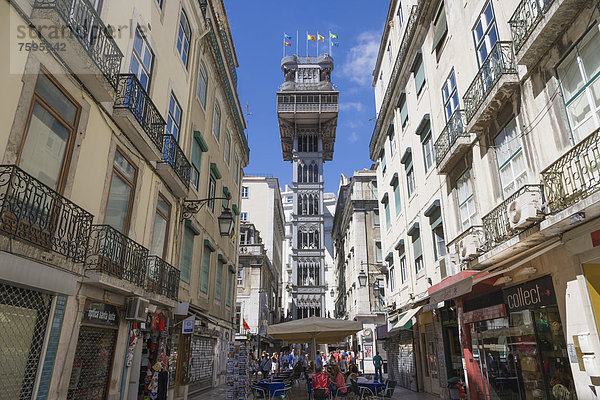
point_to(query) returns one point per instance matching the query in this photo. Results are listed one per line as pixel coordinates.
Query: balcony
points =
(174, 167)
(514, 215)
(536, 24)
(493, 85)
(251, 249)
(162, 278)
(114, 254)
(453, 143)
(74, 27)
(139, 118)
(575, 176)
(307, 103)
(35, 213)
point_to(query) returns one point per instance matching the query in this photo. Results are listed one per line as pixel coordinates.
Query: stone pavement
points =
(298, 393)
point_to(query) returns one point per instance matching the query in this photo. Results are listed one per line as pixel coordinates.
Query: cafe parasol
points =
(314, 330)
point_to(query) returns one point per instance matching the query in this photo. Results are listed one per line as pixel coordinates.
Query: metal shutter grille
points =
(201, 363)
(92, 365)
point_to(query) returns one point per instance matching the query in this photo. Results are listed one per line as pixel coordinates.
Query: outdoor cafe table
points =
(374, 386)
(271, 386)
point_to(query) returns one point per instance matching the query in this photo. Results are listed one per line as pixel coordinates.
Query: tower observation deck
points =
(307, 110)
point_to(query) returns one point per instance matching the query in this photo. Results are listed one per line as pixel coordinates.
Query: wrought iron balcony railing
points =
(162, 278)
(455, 128)
(307, 103)
(496, 224)
(525, 18)
(87, 26)
(174, 156)
(499, 62)
(574, 176)
(116, 254)
(251, 249)
(132, 96)
(33, 212)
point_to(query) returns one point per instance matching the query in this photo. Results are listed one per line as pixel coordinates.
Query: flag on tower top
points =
(321, 38)
(287, 37)
(310, 37)
(333, 35)
(288, 44)
(246, 326)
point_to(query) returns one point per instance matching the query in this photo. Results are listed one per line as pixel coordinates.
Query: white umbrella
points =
(314, 330)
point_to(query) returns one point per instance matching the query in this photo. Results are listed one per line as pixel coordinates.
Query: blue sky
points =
(257, 28)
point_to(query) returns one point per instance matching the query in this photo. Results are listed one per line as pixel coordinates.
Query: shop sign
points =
(187, 325)
(98, 313)
(539, 292)
(206, 331)
(482, 314)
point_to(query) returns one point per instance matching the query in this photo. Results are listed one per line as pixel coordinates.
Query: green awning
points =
(234, 208)
(222, 259)
(214, 170)
(226, 192)
(231, 269)
(208, 244)
(201, 142)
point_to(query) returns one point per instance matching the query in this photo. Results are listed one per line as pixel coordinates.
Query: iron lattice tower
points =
(307, 109)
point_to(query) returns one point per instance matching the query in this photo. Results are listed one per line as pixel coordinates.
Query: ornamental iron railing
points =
(116, 254)
(228, 54)
(496, 224)
(499, 62)
(87, 26)
(455, 128)
(132, 96)
(174, 156)
(34, 212)
(307, 103)
(525, 18)
(574, 176)
(162, 278)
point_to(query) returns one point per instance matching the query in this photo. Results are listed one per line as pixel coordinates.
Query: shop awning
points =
(404, 320)
(451, 287)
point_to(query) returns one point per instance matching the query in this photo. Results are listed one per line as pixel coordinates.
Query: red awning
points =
(451, 287)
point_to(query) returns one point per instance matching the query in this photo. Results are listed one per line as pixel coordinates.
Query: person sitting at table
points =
(265, 365)
(321, 380)
(352, 373)
(336, 376)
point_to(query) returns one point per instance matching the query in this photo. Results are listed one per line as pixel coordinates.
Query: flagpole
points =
(330, 44)
(297, 42)
(317, 43)
(283, 45)
(306, 43)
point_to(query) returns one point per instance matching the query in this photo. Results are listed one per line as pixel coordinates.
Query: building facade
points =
(108, 111)
(359, 266)
(484, 144)
(307, 107)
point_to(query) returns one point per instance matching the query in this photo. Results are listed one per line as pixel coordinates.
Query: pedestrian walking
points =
(377, 362)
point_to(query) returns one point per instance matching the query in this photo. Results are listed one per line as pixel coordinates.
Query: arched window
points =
(315, 177)
(184, 36)
(300, 172)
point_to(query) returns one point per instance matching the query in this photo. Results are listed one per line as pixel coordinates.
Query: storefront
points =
(92, 365)
(401, 351)
(428, 345)
(514, 344)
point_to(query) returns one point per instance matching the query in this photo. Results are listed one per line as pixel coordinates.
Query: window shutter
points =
(440, 27)
(417, 246)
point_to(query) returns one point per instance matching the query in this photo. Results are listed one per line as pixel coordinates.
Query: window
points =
(308, 143)
(244, 192)
(196, 162)
(174, 117)
(418, 252)
(389, 52)
(212, 190)
(219, 280)
(49, 134)
(376, 221)
(440, 28)
(240, 275)
(205, 269)
(485, 33)
(386, 205)
(160, 234)
(419, 70)
(403, 271)
(439, 243)
(244, 216)
(511, 160)
(403, 110)
(450, 95)
(382, 158)
(187, 252)
(227, 152)
(308, 173)
(392, 277)
(159, 3)
(400, 18)
(428, 151)
(466, 201)
(308, 237)
(392, 138)
(121, 194)
(228, 289)
(579, 75)
(308, 203)
(142, 59)
(411, 184)
(202, 84)
(290, 199)
(183, 38)
(397, 201)
(378, 252)
(217, 121)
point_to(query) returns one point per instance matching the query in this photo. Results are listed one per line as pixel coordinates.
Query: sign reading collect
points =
(536, 293)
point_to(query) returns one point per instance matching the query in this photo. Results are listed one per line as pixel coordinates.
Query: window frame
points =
(465, 202)
(167, 218)
(216, 125)
(245, 192)
(446, 100)
(180, 44)
(206, 251)
(172, 116)
(427, 144)
(202, 84)
(212, 191)
(132, 186)
(227, 150)
(186, 231)
(403, 270)
(140, 57)
(485, 33)
(509, 161)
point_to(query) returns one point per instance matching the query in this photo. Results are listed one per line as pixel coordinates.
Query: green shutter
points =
(187, 255)
(205, 268)
(196, 155)
(397, 198)
(228, 293)
(219, 281)
(419, 75)
(387, 215)
(417, 246)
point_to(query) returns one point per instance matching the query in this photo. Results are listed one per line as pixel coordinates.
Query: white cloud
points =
(351, 105)
(361, 59)
(353, 138)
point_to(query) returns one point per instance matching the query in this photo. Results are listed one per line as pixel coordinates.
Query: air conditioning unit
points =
(525, 210)
(449, 265)
(468, 247)
(136, 309)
